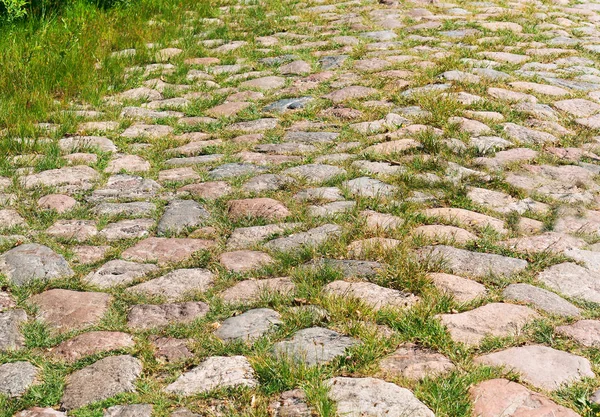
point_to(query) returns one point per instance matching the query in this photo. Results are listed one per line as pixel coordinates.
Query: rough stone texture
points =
(118, 272)
(176, 284)
(91, 343)
(133, 410)
(572, 280)
(495, 319)
(542, 299)
(252, 289)
(32, 261)
(371, 294)
(215, 372)
(476, 264)
(504, 398)
(65, 310)
(101, 380)
(165, 250)
(315, 346)
(266, 208)
(16, 378)
(584, 332)
(40, 412)
(10, 329)
(413, 362)
(170, 349)
(290, 404)
(244, 260)
(463, 290)
(147, 316)
(59, 202)
(357, 397)
(249, 325)
(180, 215)
(310, 238)
(541, 366)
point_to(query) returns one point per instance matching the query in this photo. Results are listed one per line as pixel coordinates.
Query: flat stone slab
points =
(234, 170)
(65, 310)
(40, 412)
(253, 289)
(170, 349)
(462, 289)
(413, 362)
(358, 397)
(315, 346)
(67, 179)
(16, 378)
(101, 380)
(91, 343)
(370, 187)
(541, 366)
(542, 299)
(181, 215)
(215, 372)
(245, 260)
(475, 264)
(132, 410)
(546, 242)
(147, 316)
(165, 250)
(245, 237)
(11, 322)
(32, 261)
(249, 325)
(126, 187)
(349, 268)
(584, 332)
(313, 237)
(266, 208)
(501, 397)
(467, 218)
(118, 272)
(494, 319)
(315, 173)
(127, 229)
(373, 295)
(176, 284)
(572, 280)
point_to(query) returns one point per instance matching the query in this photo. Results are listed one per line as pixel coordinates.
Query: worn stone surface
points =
(541, 366)
(147, 316)
(290, 404)
(249, 325)
(463, 290)
(215, 372)
(495, 319)
(165, 250)
(16, 378)
(180, 215)
(32, 261)
(315, 345)
(542, 299)
(253, 289)
(118, 272)
(133, 410)
(413, 362)
(585, 332)
(101, 380)
(244, 260)
(176, 284)
(91, 343)
(11, 322)
(371, 294)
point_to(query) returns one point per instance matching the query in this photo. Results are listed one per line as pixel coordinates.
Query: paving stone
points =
(118, 272)
(264, 83)
(67, 179)
(289, 104)
(474, 264)
(542, 299)
(147, 316)
(59, 202)
(267, 182)
(252, 289)
(546, 242)
(91, 343)
(127, 187)
(315, 173)
(246, 237)
(180, 215)
(290, 404)
(466, 217)
(369, 247)
(215, 372)
(176, 284)
(250, 325)
(413, 362)
(211, 190)
(133, 209)
(245, 260)
(65, 310)
(16, 378)
(165, 250)
(6, 301)
(573, 281)
(311, 238)
(11, 322)
(75, 230)
(371, 294)
(40, 412)
(132, 410)
(169, 349)
(266, 208)
(331, 209)
(234, 170)
(228, 109)
(444, 233)
(370, 187)
(501, 397)
(178, 174)
(320, 194)
(350, 93)
(463, 290)
(127, 229)
(584, 332)
(541, 366)
(355, 397)
(495, 319)
(577, 107)
(128, 163)
(101, 380)
(29, 262)
(315, 346)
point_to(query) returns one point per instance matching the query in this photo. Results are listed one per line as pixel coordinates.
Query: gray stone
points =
(332, 61)
(413, 362)
(267, 182)
(180, 215)
(215, 372)
(331, 209)
(358, 397)
(315, 346)
(313, 237)
(311, 137)
(32, 261)
(147, 316)
(16, 378)
(572, 280)
(245, 237)
(250, 325)
(134, 209)
(91, 343)
(10, 329)
(101, 380)
(126, 187)
(234, 170)
(542, 299)
(118, 272)
(176, 284)
(127, 229)
(475, 264)
(290, 404)
(373, 295)
(40, 412)
(252, 289)
(288, 104)
(315, 173)
(369, 187)
(132, 410)
(541, 366)
(320, 193)
(67, 179)
(349, 268)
